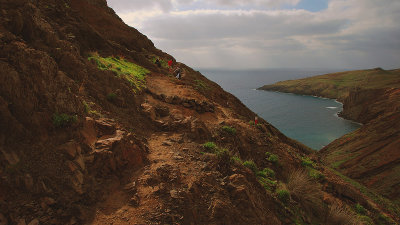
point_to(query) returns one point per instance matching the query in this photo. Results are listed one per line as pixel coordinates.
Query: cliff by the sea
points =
(370, 154)
(93, 131)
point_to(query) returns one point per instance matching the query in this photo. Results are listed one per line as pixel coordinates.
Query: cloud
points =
(255, 33)
(268, 3)
(216, 24)
(124, 6)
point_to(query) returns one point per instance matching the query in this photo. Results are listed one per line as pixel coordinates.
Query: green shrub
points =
(306, 162)
(251, 122)
(360, 209)
(63, 120)
(315, 174)
(272, 157)
(111, 97)
(229, 130)
(267, 183)
(283, 195)
(236, 159)
(269, 172)
(251, 165)
(261, 174)
(223, 154)
(266, 172)
(210, 146)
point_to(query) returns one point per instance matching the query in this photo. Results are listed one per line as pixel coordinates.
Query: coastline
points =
(338, 114)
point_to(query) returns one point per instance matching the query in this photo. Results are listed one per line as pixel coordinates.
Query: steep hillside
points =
(94, 132)
(370, 154)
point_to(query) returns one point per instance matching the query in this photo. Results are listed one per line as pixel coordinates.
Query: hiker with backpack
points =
(158, 63)
(178, 73)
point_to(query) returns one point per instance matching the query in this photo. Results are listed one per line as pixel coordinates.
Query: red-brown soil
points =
(137, 159)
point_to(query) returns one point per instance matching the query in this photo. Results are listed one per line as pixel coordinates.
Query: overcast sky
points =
(253, 34)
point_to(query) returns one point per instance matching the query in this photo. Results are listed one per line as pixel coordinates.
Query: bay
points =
(310, 120)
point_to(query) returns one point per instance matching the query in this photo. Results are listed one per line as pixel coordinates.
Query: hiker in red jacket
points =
(170, 65)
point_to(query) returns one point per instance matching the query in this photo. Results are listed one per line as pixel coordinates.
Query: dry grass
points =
(303, 189)
(339, 215)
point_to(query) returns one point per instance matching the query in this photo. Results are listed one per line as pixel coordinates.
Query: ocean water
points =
(310, 120)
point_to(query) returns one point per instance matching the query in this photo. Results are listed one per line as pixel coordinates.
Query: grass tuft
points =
(340, 215)
(304, 190)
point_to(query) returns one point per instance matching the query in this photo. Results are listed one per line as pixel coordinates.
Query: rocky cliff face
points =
(370, 154)
(118, 140)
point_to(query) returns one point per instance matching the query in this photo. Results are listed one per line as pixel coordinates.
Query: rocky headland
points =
(370, 155)
(92, 131)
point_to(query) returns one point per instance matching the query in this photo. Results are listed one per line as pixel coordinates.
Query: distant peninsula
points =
(370, 154)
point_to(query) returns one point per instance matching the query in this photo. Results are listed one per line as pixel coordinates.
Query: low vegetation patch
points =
(223, 154)
(365, 220)
(163, 63)
(315, 174)
(201, 85)
(360, 209)
(304, 190)
(340, 215)
(111, 97)
(229, 130)
(131, 72)
(268, 184)
(306, 162)
(283, 195)
(251, 165)
(237, 159)
(272, 157)
(210, 146)
(266, 173)
(386, 203)
(382, 219)
(89, 109)
(64, 120)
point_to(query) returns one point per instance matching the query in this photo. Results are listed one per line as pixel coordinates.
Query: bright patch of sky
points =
(312, 5)
(242, 34)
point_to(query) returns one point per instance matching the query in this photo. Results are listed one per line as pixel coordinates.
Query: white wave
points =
(331, 107)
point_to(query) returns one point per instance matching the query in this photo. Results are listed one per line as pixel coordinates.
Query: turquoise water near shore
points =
(310, 120)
